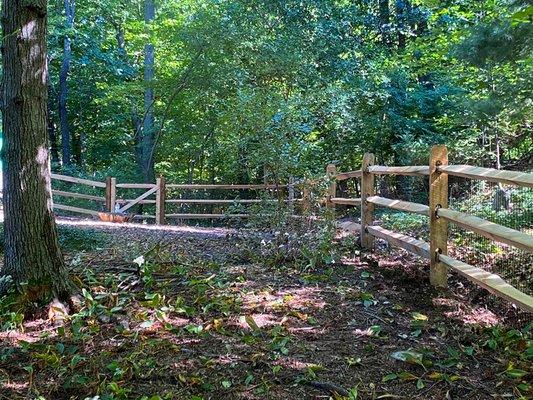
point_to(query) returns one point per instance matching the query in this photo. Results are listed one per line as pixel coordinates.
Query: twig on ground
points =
(329, 387)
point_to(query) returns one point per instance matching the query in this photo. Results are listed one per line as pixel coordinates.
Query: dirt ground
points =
(198, 318)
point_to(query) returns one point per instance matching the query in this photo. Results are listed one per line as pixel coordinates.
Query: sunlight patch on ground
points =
(296, 299)
(34, 331)
(15, 386)
(467, 315)
(261, 320)
(292, 363)
(221, 232)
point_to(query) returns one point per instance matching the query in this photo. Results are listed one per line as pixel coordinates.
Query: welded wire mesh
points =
(509, 206)
(406, 188)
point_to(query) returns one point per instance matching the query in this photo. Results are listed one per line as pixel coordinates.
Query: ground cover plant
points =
(189, 315)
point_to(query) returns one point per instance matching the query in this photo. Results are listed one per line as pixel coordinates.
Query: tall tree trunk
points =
(403, 8)
(137, 137)
(32, 253)
(136, 119)
(63, 88)
(52, 136)
(78, 149)
(147, 142)
(51, 126)
(384, 21)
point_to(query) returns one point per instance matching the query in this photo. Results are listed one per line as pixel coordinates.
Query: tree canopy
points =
(283, 87)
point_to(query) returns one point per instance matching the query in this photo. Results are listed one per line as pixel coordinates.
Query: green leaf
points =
(407, 376)
(249, 379)
(515, 373)
(411, 357)
(226, 384)
(389, 377)
(251, 323)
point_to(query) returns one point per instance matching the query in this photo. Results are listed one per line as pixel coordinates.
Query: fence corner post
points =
(367, 209)
(110, 194)
(438, 227)
(160, 201)
(331, 173)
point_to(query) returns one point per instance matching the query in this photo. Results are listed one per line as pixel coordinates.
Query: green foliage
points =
(247, 90)
(82, 239)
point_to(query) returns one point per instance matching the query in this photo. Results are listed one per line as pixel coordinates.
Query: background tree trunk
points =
(63, 88)
(147, 141)
(384, 21)
(32, 253)
(403, 8)
(51, 126)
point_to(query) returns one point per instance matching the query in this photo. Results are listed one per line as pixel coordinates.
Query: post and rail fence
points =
(157, 194)
(440, 216)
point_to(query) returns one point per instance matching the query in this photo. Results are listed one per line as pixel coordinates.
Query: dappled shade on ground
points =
(199, 317)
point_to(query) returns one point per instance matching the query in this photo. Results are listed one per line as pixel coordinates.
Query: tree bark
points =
(147, 142)
(32, 253)
(63, 88)
(51, 126)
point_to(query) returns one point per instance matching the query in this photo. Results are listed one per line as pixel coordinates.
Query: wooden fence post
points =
(438, 227)
(367, 209)
(331, 173)
(110, 194)
(160, 201)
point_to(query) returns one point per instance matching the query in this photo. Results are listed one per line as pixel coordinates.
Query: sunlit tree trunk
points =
(63, 88)
(32, 253)
(147, 142)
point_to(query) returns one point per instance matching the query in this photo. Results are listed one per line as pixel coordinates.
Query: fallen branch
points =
(330, 388)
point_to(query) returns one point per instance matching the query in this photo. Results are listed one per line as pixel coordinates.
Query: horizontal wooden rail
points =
(74, 209)
(206, 216)
(488, 229)
(407, 206)
(346, 201)
(223, 201)
(222, 186)
(417, 170)
(78, 195)
(492, 282)
(489, 174)
(81, 181)
(408, 243)
(341, 176)
(135, 185)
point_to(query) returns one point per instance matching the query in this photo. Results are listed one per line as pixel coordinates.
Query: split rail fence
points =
(439, 215)
(157, 194)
